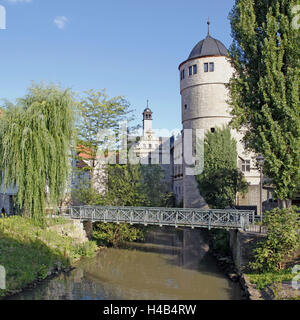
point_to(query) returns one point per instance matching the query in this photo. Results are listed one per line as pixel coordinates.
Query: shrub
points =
(110, 234)
(281, 242)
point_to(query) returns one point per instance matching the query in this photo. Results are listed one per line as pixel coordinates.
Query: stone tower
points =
(203, 77)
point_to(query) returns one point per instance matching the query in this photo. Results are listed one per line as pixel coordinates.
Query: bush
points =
(281, 242)
(86, 249)
(111, 234)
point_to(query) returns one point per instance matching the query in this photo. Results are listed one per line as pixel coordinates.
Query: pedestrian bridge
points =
(175, 217)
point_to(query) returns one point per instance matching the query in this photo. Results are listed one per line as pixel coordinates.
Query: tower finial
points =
(208, 23)
(147, 103)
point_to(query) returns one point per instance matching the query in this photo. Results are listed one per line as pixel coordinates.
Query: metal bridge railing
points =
(194, 218)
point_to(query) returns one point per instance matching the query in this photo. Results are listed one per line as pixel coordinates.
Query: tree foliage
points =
(265, 88)
(125, 186)
(98, 124)
(35, 142)
(111, 234)
(220, 180)
(281, 242)
(129, 185)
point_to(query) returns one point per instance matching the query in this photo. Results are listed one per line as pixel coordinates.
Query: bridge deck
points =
(176, 217)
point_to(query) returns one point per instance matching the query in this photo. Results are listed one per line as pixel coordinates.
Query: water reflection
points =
(169, 266)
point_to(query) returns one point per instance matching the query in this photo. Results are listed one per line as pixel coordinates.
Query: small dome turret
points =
(147, 112)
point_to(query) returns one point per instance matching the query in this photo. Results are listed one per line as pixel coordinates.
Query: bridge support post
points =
(88, 227)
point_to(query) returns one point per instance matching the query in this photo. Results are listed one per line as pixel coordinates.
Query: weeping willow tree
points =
(35, 141)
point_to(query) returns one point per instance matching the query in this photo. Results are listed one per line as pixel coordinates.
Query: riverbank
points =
(256, 286)
(272, 286)
(168, 265)
(30, 253)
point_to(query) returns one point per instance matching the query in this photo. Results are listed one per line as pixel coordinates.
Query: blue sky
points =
(130, 47)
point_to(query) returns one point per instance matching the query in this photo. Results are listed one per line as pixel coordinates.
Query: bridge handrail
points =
(167, 209)
(191, 217)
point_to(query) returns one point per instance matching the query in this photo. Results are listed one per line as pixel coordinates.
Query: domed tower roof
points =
(147, 112)
(208, 47)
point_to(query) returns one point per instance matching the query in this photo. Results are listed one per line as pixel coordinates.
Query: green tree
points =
(265, 88)
(112, 234)
(155, 186)
(125, 186)
(98, 126)
(35, 144)
(220, 180)
(281, 242)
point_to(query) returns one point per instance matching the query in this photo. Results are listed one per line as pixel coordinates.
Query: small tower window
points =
(185, 106)
(182, 75)
(209, 67)
(190, 71)
(213, 130)
(195, 69)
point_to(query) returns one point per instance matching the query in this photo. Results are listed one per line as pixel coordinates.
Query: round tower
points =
(204, 96)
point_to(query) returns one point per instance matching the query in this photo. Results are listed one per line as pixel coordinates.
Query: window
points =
(209, 67)
(195, 69)
(150, 146)
(213, 130)
(182, 75)
(185, 106)
(190, 70)
(246, 165)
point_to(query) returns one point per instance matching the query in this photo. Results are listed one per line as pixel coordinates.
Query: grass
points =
(57, 220)
(29, 252)
(262, 280)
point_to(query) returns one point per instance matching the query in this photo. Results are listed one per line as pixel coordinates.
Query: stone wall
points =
(73, 229)
(252, 197)
(242, 245)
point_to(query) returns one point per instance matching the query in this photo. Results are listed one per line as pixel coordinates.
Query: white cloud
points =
(60, 21)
